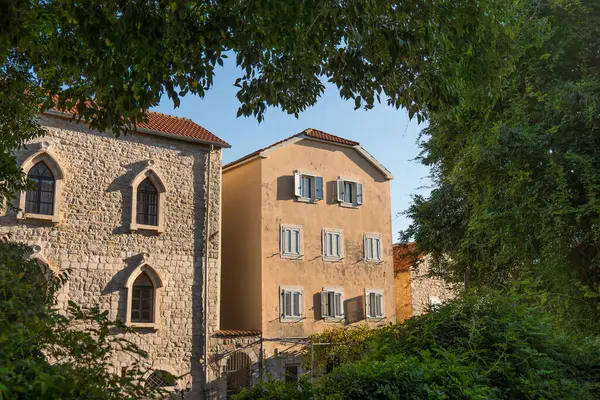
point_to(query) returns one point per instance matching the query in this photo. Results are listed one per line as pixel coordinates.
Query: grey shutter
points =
(319, 188)
(359, 193)
(297, 178)
(379, 298)
(367, 304)
(338, 305)
(297, 298)
(324, 312)
(340, 190)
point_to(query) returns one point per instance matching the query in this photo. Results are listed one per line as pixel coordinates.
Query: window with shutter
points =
(308, 187)
(291, 241)
(374, 303)
(349, 192)
(372, 247)
(332, 304)
(291, 304)
(332, 244)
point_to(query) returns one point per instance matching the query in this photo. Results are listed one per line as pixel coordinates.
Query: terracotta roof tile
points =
(404, 256)
(236, 332)
(310, 132)
(171, 125)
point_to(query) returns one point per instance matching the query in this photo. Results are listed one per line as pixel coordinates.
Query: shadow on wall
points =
(122, 184)
(285, 187)
(354, 309)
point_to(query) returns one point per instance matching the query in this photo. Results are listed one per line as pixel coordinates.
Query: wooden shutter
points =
(297, 179)
(297, 304)
(378, 305)
(324, 305)
(318, 188)
(359, 193)
(339, 306)
(340, 190)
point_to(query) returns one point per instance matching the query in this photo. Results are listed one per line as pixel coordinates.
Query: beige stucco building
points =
(129, 217)
(307, 240)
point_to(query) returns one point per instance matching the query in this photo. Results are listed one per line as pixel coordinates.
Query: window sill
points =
(292, 256)
(373, 261)
(348, 205)
(334, 320)
(42, 217)
(332, 259)
(144, 325)
(141, 227)
(291, 320)
(375, 319)
(307, 200)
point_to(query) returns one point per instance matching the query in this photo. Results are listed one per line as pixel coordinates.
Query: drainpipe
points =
(206, 240)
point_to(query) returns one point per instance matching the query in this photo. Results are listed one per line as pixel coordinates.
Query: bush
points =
(486, 345)
(45, 354)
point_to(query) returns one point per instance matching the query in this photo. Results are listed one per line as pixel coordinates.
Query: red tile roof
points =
(175, 126)
(404, 256)
(310, 132)
(235, 332)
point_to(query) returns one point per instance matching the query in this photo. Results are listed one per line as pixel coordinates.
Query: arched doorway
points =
(237, 371)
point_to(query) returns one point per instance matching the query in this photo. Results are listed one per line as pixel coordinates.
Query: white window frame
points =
(282, 249)
(317, 187)
(331, 257)
(294, 290)
(357, 195)
(326, 295)
(376, 292)
(378, 256)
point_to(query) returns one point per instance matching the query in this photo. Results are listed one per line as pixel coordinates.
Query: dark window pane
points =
(40, 200)
(147, 203)
(142, 302)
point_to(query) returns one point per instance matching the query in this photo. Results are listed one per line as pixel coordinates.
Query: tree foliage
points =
(112, 60)
(47, 354)
(517, 184)
(485, 345)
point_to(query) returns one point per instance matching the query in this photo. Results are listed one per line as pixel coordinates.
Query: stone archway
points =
(238, 372)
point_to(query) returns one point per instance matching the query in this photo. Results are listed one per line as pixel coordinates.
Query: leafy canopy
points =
(124, 55)
(517, 185)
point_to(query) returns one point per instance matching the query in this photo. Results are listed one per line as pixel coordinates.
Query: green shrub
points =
(45, 354)
(486, 345)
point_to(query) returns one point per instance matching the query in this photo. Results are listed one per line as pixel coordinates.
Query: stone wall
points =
(427, 291)
(94, 241)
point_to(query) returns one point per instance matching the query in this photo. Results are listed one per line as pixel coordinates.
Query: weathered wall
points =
(426, 290)
(94, 241)
(402, 296)
(241, 272)
(279, 206)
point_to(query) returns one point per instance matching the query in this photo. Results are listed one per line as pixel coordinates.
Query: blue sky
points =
(385, 132)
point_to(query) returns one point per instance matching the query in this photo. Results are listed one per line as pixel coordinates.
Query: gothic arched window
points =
(147, 203)
(142, 299)
(40, 198)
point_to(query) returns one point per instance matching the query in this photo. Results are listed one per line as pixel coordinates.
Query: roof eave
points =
(152, 132)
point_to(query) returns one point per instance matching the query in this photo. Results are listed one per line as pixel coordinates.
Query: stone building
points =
(416, 291)
(132, 218)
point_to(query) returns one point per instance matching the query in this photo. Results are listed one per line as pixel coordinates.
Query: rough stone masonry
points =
(93, 237)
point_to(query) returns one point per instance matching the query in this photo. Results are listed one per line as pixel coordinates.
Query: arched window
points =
(40, 199)
(142, 300)
(147, 203)
(161, 379)
(144, 288)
